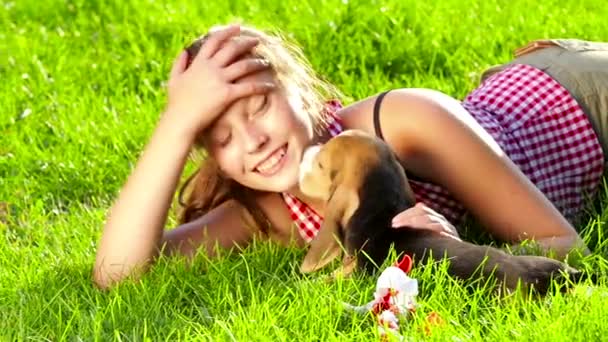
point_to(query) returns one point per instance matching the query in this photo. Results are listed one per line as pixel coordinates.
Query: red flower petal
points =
(405, 264)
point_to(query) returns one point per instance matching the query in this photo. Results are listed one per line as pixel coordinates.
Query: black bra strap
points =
(378, 130)
(377, 104)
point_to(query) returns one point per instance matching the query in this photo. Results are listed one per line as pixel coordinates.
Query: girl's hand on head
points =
(198, 93)
(421, 216)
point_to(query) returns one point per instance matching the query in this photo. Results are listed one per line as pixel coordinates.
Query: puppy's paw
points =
(540, 272)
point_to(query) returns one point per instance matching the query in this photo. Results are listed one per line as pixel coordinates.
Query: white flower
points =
(394, 278)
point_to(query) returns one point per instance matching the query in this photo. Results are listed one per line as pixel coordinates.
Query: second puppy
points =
(364, 187)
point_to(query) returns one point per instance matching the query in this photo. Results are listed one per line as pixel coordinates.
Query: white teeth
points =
(271, 162)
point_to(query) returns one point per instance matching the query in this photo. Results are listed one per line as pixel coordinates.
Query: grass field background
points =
(81, 88)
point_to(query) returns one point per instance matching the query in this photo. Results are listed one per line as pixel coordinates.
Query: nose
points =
(255, 139)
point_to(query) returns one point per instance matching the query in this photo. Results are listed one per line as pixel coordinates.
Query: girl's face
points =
(259, 140)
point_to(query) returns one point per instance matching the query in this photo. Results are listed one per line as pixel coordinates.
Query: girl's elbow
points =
(106, 274)
(563, 246)
(101, 279)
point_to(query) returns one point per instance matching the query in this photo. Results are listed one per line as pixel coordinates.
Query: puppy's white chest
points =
(307, 161)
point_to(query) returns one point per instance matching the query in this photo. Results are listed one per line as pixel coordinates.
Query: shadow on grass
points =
(174, 299)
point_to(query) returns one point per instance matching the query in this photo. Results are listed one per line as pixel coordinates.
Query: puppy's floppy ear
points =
(324, 248)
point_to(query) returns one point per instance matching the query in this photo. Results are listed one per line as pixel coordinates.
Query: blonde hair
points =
(208, 188)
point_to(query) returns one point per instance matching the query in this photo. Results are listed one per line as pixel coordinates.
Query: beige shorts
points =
(579, 66)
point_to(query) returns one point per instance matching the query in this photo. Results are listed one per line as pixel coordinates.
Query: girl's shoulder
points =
(398, 116)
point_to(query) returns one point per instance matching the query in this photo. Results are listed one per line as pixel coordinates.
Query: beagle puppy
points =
(364, 187)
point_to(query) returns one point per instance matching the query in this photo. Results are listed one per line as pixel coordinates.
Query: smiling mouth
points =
(273, 163)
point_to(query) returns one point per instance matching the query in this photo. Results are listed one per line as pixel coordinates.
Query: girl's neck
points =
(318, 205)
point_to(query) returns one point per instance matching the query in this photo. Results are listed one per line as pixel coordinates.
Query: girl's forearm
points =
(136, 220)
(557, 246)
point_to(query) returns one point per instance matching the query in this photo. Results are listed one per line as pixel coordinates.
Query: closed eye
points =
(263, 106)
(223, 140)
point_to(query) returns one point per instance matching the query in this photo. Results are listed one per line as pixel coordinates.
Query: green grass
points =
(81, 89)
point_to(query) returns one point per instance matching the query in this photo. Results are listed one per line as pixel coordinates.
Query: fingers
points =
(444, 227)
(179, 65)
(426, 223)
(243, 89)
(423, 217)
(407, 215)
(233, 49)
(216, 39)
(222, 48)
(409, 219)
(422, 222)
(244, 67)
(450, 235)
(437, 228)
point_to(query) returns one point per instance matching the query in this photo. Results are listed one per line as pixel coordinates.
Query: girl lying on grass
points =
(520, 152)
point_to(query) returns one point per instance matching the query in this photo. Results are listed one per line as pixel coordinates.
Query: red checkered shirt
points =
(539, 126)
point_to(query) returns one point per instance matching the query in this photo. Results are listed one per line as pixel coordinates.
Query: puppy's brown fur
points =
(365, 187)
